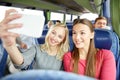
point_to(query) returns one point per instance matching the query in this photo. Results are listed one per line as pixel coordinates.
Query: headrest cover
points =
(103, 39)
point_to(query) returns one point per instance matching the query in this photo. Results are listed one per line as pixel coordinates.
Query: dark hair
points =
(75, 20)
(91, 60)
(58, 21)
(84, 21)
(99, 18)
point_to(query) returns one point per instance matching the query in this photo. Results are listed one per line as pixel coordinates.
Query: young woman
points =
(46, 56)
(85, 59)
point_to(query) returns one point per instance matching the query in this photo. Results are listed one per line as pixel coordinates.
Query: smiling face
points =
(81, 35)
(56, 36)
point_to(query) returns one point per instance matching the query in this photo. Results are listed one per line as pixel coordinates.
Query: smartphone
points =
(32, 23)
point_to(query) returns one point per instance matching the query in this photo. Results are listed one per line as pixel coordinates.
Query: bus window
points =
(68, 17)
(89, 16)
(56, 16)
(74, 17)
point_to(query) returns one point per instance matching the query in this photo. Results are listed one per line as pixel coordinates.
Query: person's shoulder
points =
(35, 47)
(105, 53)
(67, 54)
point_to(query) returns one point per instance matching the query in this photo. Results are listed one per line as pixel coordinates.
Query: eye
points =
(104, 23)
(73, 32)
(60, 36)
(53, 32)
(82, 33)
(99, 23)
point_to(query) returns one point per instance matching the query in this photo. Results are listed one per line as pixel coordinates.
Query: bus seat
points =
(69, 22)
(44, 32)
(71, 44)
(115, 49)
(45, 27)
(69, 26)
(41, 40)
(45, 75)
(115, 45)
(1, 50)
(54, 21)
(3, 63)
(107, 39)
(103, 39)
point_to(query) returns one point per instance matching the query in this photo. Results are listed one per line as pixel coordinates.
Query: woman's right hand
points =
(9, 38)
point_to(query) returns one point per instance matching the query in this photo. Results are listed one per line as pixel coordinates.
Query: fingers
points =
(9, 17)
(5, 26)
(6, 34)
(12, 26)
(7, 13)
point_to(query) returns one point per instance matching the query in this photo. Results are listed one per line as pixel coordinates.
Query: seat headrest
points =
(103, 39)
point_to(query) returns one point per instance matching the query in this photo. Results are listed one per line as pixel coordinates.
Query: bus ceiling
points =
(67, 6)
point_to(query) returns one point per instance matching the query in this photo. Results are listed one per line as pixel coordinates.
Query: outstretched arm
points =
(9, 38)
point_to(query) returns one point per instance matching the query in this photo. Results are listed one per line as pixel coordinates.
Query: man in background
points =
(101, 22)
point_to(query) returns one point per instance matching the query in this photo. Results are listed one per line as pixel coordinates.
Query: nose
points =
(78, 36)
(102, 25)
(55, 37)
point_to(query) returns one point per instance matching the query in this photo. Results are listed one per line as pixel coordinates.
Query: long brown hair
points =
(91, 57)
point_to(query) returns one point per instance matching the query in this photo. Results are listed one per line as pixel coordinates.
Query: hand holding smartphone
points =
(32, 23)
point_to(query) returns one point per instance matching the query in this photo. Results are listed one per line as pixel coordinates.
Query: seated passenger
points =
(58, 22)
(85, 59)
(101, 22)
(49, 24)
(46, 56)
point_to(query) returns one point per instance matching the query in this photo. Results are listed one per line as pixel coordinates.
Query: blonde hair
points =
(64, 45)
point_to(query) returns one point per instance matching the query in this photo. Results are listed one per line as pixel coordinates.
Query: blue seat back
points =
(69, 25)
(115, 45)
(71, 44)
(3, 63)
(45, 75)
(45, 26)
(103, 39)
(115, 49)
(109, 40)
(41, 40)
(44, 32)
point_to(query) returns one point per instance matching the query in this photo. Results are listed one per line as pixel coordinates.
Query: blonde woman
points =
(46, 56)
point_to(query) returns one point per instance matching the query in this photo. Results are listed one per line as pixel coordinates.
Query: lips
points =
(79, 44)
(53, 41)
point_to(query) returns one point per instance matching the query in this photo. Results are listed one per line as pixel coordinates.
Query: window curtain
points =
(115, 15)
